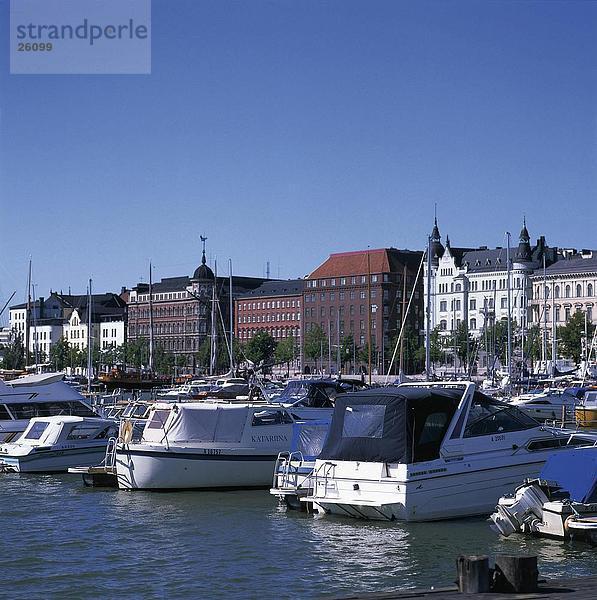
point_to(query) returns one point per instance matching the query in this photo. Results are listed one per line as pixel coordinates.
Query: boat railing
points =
(320, 477)
(286, 469)
(110, 457)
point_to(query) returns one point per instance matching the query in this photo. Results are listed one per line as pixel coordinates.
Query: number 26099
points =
(35, 47)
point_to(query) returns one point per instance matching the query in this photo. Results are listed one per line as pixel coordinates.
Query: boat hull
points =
(448, 495)
(153, 468)
(53, 461)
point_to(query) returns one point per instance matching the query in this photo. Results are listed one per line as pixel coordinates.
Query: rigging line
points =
(404, 318)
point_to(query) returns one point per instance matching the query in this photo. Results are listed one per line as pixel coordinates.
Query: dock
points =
(582, 588)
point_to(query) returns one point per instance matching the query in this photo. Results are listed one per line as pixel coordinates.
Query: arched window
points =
(443, 325)
(557, 291)
(473, 324)
(457, 287)
(567, 292)
(546, 289)
(578, 290)
(590, 290)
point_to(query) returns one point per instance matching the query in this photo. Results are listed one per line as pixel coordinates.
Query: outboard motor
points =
(521, 513)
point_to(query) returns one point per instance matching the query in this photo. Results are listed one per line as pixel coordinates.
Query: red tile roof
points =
(353, 263)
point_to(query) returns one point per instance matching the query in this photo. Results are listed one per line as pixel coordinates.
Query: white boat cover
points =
(207, 423)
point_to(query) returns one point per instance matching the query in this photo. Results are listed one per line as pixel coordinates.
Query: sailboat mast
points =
(28, 315)
(401, 371)
(35, 341)
(89, 339)
(428, 314)
(150, 319)
(369, 315)
(554, 339)
(231, 309)
(508, 282)
(544, 344)
(212, 346)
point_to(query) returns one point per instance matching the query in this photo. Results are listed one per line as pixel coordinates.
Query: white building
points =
(570, 285)
(471, 284)
(66, 315)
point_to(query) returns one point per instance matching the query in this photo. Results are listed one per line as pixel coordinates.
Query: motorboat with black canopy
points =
(421, 452)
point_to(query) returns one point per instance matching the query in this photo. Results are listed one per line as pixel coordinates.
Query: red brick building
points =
(336, 299)
(274, 307)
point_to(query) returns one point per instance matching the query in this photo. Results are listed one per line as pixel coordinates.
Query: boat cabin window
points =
(4, 416)
(271, 417)
(82, 431)
(488, 416)
(36, 430)
(158, 419)
(31, 410)
(365, 421)
(429, 431)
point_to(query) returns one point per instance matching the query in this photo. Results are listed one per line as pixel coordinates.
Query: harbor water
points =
(62, 540)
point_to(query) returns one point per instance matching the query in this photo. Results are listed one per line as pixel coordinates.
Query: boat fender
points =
(126, 431)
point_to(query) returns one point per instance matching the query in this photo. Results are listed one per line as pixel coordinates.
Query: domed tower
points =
(523, 253)
(437, 250)
(203, 272)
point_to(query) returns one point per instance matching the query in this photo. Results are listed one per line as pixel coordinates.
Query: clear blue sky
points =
(286, 130)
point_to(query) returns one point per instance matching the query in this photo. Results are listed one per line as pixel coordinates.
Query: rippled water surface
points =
(60, 539)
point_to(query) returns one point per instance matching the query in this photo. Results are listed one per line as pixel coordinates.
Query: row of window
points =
(163, 296)
(312, 283)
(269, 318)
(567, 291)
(168, 311)
(269, 304)
(282, 332)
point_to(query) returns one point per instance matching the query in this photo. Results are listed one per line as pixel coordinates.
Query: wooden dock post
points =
(473, 574)
(517, 574)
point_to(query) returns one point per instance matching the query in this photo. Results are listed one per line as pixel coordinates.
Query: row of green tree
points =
(263, 349)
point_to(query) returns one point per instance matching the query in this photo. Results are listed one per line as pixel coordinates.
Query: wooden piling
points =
(473, 574)
(517, 574)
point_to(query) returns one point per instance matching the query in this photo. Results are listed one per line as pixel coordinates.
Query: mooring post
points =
(517, 574)
(473, 574)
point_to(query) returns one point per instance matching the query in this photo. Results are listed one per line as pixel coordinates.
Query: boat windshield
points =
(36, 430)
(488, 416)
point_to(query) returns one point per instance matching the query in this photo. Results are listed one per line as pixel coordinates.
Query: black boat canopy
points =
(392, 425)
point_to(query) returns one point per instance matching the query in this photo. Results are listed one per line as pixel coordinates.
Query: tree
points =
(286, 351)
(436, 345)
(533, 343)
(60, 354)
(570, 336)
(260, 348)
(13, 354)
(462, 341)
(347, 348)
(316, 343)
(137, 352)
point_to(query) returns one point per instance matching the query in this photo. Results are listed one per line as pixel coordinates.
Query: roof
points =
(289, 287)
(485, 259)
(576, 263)
(381, 260)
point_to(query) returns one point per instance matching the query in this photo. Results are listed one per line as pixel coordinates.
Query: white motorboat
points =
(208, 445)
(423, 452)
(37, 396)
(561, 503)
(548, 404)
(53, 444)
(293, 470)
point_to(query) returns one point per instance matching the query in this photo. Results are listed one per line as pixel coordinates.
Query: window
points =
(589, 290)
(271, 417)
(36, 430)
(578, 290)
(488, 416)
(158, 419)
(504, 303)
(473, 304)
(567, 292)
(363, 421)
(473, 324)
(83, 431)
(443, 306)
